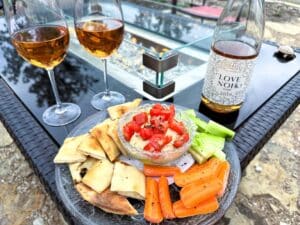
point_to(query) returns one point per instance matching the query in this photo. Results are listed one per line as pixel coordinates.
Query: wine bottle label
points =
(227, 79)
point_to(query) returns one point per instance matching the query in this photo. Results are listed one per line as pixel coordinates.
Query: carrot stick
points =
(152, 210)
(199, 191)
(195, 167)
(157, 171)
(223, 177)
(165, 198)
(208, 206)
(202, 172)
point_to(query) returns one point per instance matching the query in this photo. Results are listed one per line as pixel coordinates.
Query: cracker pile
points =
(97, 174)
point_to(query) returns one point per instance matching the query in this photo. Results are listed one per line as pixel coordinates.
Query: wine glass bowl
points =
(42, 46)
(108, 33)
(41, 37)
(99, 27)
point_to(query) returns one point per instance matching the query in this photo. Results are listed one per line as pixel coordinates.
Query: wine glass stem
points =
(105, 78)
(54, 87)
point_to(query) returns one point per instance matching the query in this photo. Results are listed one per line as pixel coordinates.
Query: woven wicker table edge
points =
(258, 129)
(15, 117)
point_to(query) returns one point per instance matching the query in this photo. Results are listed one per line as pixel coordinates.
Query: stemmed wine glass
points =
(99, 27)
(41, 37)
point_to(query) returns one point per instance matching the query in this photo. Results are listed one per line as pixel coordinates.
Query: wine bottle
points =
(236, 44)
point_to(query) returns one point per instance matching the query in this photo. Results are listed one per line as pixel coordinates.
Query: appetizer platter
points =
(145, 162)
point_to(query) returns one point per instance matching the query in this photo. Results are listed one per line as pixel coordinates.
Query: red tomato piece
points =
(134, 126)
(158, 106)
(172, 112)
(167, 140)
(155, 121)
(165, 114)
(155, 112)
(156, 141)
(159, 110)
(146, 133)
(185, 137)
(127, 132)
(149, 147)
(178, 127)
(161, 128)
(181, 140)
(178, 143)
(141, 118)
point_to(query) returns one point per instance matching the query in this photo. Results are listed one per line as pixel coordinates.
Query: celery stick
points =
(219, 130)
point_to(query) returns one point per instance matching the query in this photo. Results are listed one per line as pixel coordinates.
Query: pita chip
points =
(116, 111)
(99, 176)
(68, 152)
(128, 181)
(78, 170)
(108, 145)
(108, 201)
(113, 133)
(91, 147)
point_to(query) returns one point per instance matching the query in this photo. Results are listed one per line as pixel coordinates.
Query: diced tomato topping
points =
(153, 146)
(165, 114)
(158, 141)
(167, 140)
(157, 106)
(146, 133)
(154, 129)
(185, 137)
(178, 143)
(172, 112)
(141, 118)
(149, 147)
(161, 128)
(181, 140)
(155, 112)
(127, 132)
(178, 127)
(155, 121)
(134, 126)
(129, 129)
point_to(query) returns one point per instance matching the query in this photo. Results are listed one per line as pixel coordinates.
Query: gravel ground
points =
(276, 201)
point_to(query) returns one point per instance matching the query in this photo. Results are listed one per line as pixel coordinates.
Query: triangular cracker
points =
(116, 111)
(128, 181)
(99, 176)
(108, 201)
(90, 146)
(78, 170)
(68, 152)
(113, 133)
(108, 145)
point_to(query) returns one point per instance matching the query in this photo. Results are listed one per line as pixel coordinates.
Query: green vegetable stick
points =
(219, 130)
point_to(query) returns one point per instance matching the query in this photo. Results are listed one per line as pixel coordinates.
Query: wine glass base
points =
(59, 116)
(102, 101)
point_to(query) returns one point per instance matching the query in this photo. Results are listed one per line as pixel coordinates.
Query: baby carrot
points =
(202, 172)
(223, 177)
(152, 210)
(199, 191)
(165, 198)
(208, 206)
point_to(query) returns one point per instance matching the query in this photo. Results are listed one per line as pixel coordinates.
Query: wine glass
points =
(99, 27)
(41, 37)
